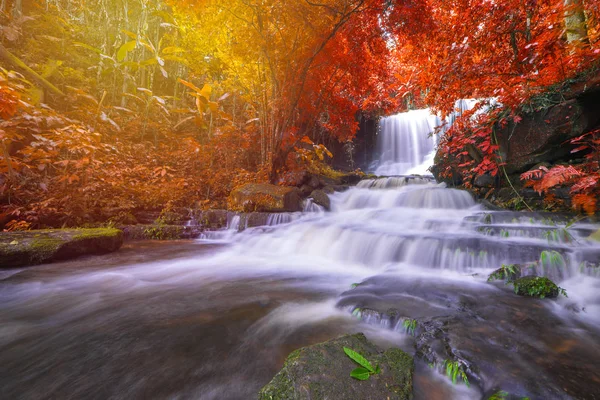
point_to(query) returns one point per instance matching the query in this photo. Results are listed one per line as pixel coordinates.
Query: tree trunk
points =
(575, 22)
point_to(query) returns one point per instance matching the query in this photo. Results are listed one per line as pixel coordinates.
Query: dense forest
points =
(118, 105)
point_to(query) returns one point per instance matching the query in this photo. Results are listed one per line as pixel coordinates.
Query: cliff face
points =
(361, 152)
(541, 137)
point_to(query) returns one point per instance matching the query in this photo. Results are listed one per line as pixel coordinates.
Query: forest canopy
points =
(113, 106)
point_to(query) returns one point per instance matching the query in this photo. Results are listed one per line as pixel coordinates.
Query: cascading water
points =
(405, 143)
(216, 320)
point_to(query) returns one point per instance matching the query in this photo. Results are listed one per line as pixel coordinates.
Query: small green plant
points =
(354, 285)
(410, 325)
(454, 370)
(365, 370)
(501, 395)
(487, 219)
(357, 312)
(506, 273)
(504, 233)
(538, 286)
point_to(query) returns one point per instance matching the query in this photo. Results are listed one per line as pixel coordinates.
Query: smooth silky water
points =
(215, 318)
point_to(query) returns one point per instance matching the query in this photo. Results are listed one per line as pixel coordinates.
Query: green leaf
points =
(359, 359)
(360, 373)
(377, 369)
(124, 49)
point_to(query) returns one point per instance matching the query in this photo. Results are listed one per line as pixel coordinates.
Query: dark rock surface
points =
(18, 249)
(321, 198)
(502, 341)
(265, 197)
(323, 371)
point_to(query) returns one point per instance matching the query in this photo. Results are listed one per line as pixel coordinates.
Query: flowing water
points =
(215, 318)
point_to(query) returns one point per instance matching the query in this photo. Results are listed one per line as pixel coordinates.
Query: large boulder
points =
(540, 136)
(19, 249)
(323, 371)
(321, 198)
(264, 197)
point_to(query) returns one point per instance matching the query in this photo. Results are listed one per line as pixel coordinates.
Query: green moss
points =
(96, 233)
(595, 236)
(19, 249)
(537, 286)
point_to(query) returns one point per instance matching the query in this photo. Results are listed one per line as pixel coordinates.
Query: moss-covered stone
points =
(264, 197)
(595, 236)
(18, 249)
(323, 371)
(160, 232)
(536, 286)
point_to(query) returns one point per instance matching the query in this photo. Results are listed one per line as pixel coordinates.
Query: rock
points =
(507, 273)
(595, 236)
(351, 179)
(540, 136)
(328, 190)
(213, 219)
(536, 286)
(323, 371)
(329, 181)
(306, 190)
(314, 182)
(321, 198)
(264, 197)
(19, 249)
(484, 181)
(160, 232)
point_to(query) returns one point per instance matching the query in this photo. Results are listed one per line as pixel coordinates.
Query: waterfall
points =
(406, 141)
(406, 144)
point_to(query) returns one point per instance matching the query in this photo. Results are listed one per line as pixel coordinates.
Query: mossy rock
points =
(264, 197)
(536, 286)
(19, 249)
(507, 273)
(160, 232)
(323, 371)
(595, 236)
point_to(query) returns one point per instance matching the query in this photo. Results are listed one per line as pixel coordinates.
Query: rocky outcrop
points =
(19, 249)
(264, 197)
(542, 132)
(323, 371)
(321, 198)
(536, 286)
(160, 232)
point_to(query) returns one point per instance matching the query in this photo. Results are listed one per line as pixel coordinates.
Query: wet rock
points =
(323, 371)
(484, 181)
(264, 197)
(213, 219)
(18, 249)
(321, 198)
(507, 273)
(595, 236)
(536, 286)
(351, 179)
(539, 136)
(160, 232)
(328, 189)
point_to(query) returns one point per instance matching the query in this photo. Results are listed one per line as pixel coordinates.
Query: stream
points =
(215, 318)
